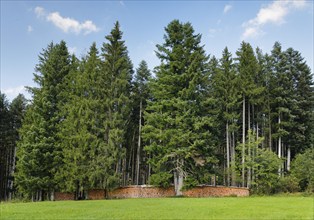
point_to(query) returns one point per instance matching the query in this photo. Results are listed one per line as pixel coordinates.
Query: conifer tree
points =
(17, 111)
(282, 103)
(301, 104)
(5, 144)
(116, 76)
(247, 65)
(38, 147)
(81, 130)
(142, 95)
(177, 123)
(226, 95)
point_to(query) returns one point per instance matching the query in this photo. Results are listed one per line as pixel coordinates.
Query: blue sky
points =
(29, 26)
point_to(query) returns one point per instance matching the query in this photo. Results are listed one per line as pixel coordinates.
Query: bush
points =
(162, 179)
(266, 171)
(302, 168)
(287, 184)
(190, 183)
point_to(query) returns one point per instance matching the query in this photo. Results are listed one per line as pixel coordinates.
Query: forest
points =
(95, 122)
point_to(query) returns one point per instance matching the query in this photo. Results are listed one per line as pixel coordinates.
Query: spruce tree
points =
(177, 123)
(282, 103)
(247, 65)
(80, 130)
(302, 102)
(17, 111)
(141, 94)
(116, 75)
(226, 95)
(39, 145)
(5, 145)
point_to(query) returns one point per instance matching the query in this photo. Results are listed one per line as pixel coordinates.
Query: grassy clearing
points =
(165, 208)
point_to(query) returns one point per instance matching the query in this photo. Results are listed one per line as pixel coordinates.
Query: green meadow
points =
(276, 207)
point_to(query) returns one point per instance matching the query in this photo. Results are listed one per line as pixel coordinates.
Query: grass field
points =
(165, 208)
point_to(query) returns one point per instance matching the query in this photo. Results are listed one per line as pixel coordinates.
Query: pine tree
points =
(39, 145)
(80, 131)
(247, 66)
(116, 75)
(301, 104)
(5, 145)
(226, 95)
(282, 103)
(17, 111)
(141, 95)
(177, 123)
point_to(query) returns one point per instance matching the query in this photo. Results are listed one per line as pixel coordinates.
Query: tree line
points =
(94, 122)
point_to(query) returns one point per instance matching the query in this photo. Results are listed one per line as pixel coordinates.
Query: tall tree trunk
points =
(279, 145)
(269, 134)
(228, 153)
(288, 158)
(233, 160)
(243, 142)
(178, 178)
(138, 153)
(129, 178)
(124, 169)
(12, 173)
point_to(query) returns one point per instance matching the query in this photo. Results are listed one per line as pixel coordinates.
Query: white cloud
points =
(273, 13)
(66, 24)
(40, 12)
(11, 93)
(29, 29)
(252, 32)
(227, 8)
(121, 3)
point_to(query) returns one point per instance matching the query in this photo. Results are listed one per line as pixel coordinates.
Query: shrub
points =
(302, 168)
(162, 179)
(288, 184)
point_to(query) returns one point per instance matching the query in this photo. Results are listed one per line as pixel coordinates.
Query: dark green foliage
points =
(301, 104)
(5, 144)
(288, 184)
(141, 95)
(91, 124)
(177, 122)
(115, 81)
(81, 129)
(39, 146)
(302, 169)
(162, 179)
(266, 170)
(11, 119)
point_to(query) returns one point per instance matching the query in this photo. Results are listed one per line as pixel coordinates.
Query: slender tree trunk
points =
(248, 184)
(138, 153)
(12, 172)
(233, 160)
(243, 142)
(129, 178)
(279, 145)
(288, 158)
(133, 166)
(248, 116)
(124, 169)
(269, 134)
(228, 154)
(149, 166)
